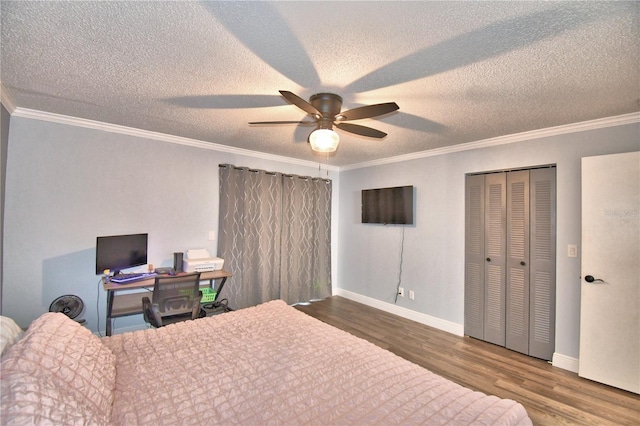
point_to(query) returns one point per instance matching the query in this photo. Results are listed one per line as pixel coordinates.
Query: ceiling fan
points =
(324, 109)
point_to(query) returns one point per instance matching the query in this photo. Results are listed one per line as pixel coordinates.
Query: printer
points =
(200, 260)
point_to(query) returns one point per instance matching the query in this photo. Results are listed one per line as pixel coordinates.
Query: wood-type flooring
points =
(551, 395)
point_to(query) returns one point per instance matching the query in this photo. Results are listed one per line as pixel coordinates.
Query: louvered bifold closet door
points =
(495, 251)
(474, 257)
(517, 287)
(510, 249)
(542, 263)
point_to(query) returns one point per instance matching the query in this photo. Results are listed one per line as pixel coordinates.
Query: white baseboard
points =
(440, 324)
(559, 360)
(565, 362)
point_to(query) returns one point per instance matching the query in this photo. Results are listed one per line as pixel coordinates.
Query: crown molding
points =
(6, 99)
(147, 134)
(600, 123)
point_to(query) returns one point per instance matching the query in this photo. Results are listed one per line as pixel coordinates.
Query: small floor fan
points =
(70, 305)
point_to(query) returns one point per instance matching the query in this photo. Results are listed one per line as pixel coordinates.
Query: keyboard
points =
(127, 278)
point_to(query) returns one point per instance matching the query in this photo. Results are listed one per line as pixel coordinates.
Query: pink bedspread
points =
(275, 365)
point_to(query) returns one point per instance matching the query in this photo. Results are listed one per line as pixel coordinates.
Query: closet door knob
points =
(523, 263)
(590, 279)
(488, 259)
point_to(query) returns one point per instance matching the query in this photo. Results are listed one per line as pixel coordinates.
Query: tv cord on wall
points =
(400, 269)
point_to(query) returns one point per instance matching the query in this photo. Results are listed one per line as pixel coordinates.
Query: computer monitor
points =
(117, 252)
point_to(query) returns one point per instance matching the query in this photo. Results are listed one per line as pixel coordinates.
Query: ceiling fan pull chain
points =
(327, 161)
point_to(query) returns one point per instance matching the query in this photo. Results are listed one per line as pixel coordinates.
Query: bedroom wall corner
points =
(68, 184)
(373, 260)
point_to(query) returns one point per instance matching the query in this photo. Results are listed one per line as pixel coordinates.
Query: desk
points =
(130, 303)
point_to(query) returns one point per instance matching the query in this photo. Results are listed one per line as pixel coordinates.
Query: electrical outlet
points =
(412, 295)
(400, 291)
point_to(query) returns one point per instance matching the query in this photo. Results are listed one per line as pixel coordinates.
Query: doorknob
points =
(590, 279)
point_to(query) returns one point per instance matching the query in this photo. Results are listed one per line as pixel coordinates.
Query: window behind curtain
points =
(274, 235)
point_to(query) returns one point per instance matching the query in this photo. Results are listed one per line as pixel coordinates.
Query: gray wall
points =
(5, 119)
(433, 260)
(63, 184)
(66, 185)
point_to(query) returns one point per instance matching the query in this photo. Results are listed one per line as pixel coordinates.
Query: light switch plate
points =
(572, 250)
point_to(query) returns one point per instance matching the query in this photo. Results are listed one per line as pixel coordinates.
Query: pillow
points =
(10, 333)
(62, 352)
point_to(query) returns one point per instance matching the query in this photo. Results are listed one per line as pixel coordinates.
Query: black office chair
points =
(175, 298)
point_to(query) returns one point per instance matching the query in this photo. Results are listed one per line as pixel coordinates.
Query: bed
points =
(269, 364)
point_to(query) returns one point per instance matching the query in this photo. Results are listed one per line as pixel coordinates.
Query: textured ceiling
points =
(460, 71)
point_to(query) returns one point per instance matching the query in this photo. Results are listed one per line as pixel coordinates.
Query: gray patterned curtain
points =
(274, 236)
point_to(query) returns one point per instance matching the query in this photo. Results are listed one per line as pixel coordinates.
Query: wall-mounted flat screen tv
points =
(117, 252)
(389, 206)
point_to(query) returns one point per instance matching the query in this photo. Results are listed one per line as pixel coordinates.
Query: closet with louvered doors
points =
(510, 245)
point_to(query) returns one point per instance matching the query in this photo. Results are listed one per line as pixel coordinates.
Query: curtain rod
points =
(273, 173)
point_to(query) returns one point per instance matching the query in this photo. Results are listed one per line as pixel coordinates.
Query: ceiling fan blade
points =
(283, 122)
(361, 130)
(300, 103)
(369, 111)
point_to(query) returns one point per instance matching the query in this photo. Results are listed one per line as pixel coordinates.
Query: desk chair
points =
(175, 298)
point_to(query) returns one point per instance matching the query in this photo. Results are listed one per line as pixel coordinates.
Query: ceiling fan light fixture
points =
(325, 109)
(324, 140)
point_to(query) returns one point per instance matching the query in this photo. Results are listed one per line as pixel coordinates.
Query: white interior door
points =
(610, 297)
